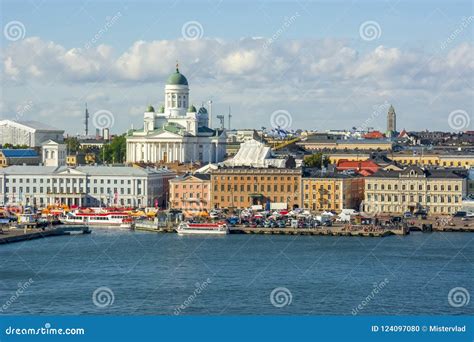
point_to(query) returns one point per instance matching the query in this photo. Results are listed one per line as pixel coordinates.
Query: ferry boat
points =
(202, 228)
(119, 219)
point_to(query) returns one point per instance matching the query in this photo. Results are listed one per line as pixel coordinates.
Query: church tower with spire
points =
(391, 121)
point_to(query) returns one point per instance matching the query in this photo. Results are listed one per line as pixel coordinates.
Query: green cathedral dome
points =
(177, 78)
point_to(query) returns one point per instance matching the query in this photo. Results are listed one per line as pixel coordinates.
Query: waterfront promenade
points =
(18, 235)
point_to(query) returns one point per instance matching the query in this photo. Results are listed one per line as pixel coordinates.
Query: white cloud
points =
(294, 74)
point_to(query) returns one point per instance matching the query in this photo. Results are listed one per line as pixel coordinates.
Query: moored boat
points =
(202, 228)
(106, 219)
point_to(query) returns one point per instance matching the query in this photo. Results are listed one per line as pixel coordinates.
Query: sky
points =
(295, 64)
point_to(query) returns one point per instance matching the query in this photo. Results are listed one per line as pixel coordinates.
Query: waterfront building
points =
(10, 157)
(84, 185)
(28, 133)
(332, 191)
(177, 132)
(243, 186)
(191, 193)
(438, 191)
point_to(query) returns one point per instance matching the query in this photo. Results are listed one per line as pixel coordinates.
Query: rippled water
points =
(149, 273)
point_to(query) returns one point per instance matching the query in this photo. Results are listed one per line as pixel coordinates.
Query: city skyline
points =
(326, 71)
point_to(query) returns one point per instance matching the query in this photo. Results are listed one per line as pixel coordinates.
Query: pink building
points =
(191, 193)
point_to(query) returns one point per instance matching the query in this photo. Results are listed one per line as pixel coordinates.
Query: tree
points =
(316, 160)
(115, 151)
(72, 144)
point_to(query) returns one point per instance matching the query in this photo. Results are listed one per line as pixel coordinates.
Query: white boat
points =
(202, 228)
(119, 219)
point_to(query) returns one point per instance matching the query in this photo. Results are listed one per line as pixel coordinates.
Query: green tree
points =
(316, 160)
(115, 151)
(72, 144)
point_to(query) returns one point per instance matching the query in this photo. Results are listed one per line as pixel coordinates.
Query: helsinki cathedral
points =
(177, 132)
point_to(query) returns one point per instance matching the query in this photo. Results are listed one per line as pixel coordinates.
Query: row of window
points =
(321, 206)
(321, 187)
(188, 195)
(256, 187)
(241, 199)
(398, 209)
(191, 186)
(412, 187)
(413, 198)
(41, 189)
(174, 101)
(255, 178)
(66, 181)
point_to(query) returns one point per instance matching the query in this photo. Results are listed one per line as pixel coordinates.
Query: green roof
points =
(150, 109)
(177, 78)
(161, 110)
(191, 109)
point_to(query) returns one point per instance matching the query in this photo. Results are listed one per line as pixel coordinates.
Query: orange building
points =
(191, 193)
(242, 187)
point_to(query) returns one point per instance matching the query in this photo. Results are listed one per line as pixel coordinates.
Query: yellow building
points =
(436, 191)
(341, 145)
(444, 160)
(332, 191)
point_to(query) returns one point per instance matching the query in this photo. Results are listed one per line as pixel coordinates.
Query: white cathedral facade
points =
(177, 132)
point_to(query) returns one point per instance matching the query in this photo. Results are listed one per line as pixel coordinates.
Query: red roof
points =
(374, 135)
(403, 134)
(359, 166)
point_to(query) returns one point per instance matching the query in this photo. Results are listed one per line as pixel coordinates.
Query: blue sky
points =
(318, 67)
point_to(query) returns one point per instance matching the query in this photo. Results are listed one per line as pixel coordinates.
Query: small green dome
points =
(202, 110)
(191, 109)
(161, 110)
(177, 78)
(150, 109)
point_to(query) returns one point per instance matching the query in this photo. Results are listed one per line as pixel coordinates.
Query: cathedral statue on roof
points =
(177, 131)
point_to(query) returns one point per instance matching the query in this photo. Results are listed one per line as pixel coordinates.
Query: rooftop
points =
(126, 171)
(18, 153)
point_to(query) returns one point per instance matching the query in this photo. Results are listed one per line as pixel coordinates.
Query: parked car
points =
(408, 214)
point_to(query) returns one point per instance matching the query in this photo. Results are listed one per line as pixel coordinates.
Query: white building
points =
(178, 132)
(84, 185)
(29, 133)
(53, 153)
